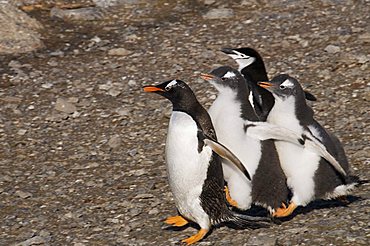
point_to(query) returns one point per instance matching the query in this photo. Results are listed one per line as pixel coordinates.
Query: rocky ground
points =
(82, 147)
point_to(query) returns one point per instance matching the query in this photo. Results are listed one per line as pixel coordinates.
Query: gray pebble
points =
(23, 194)
(119, 52)
(220, 13)
(63, 105)
(332, 49)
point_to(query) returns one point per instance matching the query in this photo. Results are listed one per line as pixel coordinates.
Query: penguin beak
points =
(152, 89)
(265, 84)
(228, 51)
(207, 76)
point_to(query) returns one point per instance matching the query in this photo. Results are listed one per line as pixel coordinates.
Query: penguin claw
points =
(195, 238)
(284, 211)
(176, 221)
(231, 201)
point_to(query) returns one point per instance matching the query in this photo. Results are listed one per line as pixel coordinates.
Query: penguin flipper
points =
(264, 130)
(225, 153)
(318, 147)
(309, 96)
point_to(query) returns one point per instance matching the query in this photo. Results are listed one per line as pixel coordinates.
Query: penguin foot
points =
(231, 201)
(197, 237)
(284, 210)
(176, 221)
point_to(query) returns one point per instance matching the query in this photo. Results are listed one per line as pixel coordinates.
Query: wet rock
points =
(119, 52)
(220, 13)
(80, 14)
(63, 105)
(332, 49)
(18, 31)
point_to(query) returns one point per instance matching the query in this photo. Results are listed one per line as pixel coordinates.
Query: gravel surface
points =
(82, 147)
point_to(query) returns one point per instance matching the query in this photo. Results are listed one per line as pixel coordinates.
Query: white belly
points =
(187, 169)
(298, 164)
(229, 128)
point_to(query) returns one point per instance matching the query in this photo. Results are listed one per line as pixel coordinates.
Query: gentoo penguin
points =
(308, 175)
(194, 169)
(253, 68)
(229, 112)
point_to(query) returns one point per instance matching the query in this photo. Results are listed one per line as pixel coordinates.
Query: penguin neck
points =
(256, 71)
(240, 97)
(199, 115)
(291, 113)
(303, 112)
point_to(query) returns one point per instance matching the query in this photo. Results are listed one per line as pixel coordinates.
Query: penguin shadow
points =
(189, 225)
(322, 204)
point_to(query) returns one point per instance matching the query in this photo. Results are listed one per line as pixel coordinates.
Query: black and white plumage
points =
(308, 174)
(193, 167)
(253, 68)
(230, 114)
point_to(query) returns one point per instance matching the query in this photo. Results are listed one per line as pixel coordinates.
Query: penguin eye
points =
(282, 87)
(167, 88)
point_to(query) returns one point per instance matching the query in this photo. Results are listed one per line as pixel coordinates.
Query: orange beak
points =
(264, 84)
(151, 89)
(206, 76)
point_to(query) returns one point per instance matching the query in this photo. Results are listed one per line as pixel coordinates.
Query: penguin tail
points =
(353, 179)
(241, 221)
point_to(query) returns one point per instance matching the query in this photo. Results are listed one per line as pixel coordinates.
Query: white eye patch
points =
(242, 59)
(229, 75)
(170, 85)
(287, 84)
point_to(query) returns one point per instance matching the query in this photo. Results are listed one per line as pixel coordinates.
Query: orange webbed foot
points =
(284, 211)
(231, 201)
(195, 238)
(176, 221)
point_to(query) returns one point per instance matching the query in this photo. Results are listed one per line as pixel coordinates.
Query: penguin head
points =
(225, 77)
(283, 86)
(177, 91)
(243, 56)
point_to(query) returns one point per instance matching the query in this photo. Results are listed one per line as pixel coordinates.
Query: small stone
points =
(114, 142)
(131, 82)
(365, 37)
(47, 85)
(87, 14)
(36, 240)
(220, 13)
(23, 194)
(114, 92)
(332, 49)
(21, 132)
(64, 106)
(119, 52)
(144, 196)
(153, 211)
(69, 215)
(122, 111)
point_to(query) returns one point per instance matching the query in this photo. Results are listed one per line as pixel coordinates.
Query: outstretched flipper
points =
(225, 153)
(264, 131)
